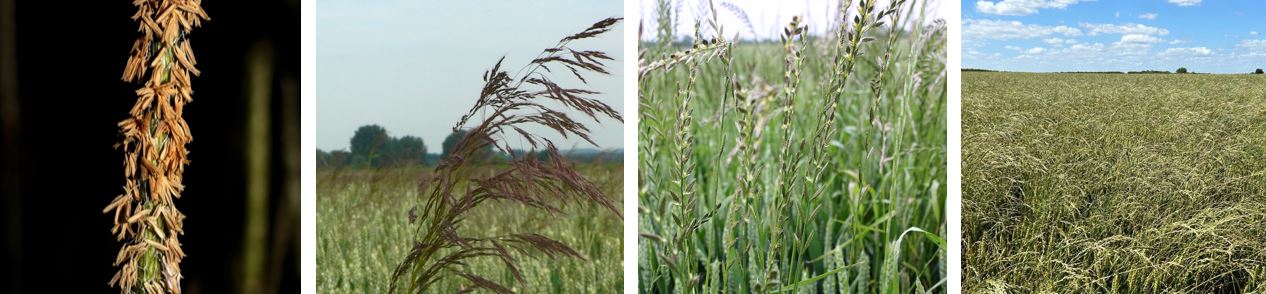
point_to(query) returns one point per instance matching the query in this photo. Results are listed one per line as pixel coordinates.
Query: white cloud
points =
(1009, 47)
(1253, 45)
(1139, 39)
(1035, 51)
(1020, 7)
(1253, 33)
(1193, 51)
(1002, 30)
(1085, 51)
(1129, 28)
(1252, 48)
(1178, 42)
(1148, 16)
(1096, 47)
(1128, 48)
(1185, 2)
(1057, 42)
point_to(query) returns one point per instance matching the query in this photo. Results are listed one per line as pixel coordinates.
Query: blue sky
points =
(415, 66)
(1219, 36)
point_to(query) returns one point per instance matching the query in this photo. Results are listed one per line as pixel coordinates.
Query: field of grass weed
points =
(1114, 183)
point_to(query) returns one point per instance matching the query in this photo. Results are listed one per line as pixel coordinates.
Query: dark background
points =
(61, 95)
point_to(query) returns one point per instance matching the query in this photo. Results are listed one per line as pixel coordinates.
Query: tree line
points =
(372, 146)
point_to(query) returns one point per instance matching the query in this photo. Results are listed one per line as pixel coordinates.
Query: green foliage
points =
(407, 150)
(1258, 71)
(367, 144)
(373, 147)
(485, 153)
(795, 166)
(1084, 183)
(450, 141)
(1181, 70)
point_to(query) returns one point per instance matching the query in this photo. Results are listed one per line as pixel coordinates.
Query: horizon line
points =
(1146, 71)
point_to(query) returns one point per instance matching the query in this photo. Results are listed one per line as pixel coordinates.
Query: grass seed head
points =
(154, 139)
(506, 104)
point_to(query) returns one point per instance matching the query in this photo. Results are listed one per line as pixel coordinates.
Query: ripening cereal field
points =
(1113, 183)
(363, 215)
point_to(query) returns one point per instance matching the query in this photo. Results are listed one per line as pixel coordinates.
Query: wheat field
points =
(1113, 183)
(814, 164)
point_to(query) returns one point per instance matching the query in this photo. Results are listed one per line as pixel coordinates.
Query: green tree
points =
(1182, 70)
(407, 150)
(451, 141)
(453, 138)
(368, 143)
(1258, 71)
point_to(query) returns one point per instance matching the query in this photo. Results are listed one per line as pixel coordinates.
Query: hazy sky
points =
(767, 17)
(1220, 36)
(415, 66)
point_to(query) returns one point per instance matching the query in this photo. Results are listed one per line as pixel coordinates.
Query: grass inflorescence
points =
(812, 164)
(441, 248)
(154, 139)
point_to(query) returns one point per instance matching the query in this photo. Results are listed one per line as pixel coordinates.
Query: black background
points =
(60, 168)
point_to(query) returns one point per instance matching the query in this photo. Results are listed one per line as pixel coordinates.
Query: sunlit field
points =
(1094, 183)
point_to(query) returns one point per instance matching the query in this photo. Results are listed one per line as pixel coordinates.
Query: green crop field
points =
(814, 165)
(363, 220)
(1113, 183)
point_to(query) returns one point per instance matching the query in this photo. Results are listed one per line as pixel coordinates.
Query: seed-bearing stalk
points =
(440, 248)
(875, 85)
(848, 46)
(792, 44)
(154, 138)
(684, 178)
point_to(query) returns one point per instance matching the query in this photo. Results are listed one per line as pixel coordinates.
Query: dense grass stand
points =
(812, 164)
(1114, 183)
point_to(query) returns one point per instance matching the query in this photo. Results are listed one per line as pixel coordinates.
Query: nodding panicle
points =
(507, 104)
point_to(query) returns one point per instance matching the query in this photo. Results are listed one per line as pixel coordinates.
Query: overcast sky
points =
(1219, 36)
(415, 66)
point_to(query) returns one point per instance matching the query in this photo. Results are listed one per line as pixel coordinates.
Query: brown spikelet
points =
(154, 138)
(505, 105)
(480, 282)
(550, 247)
